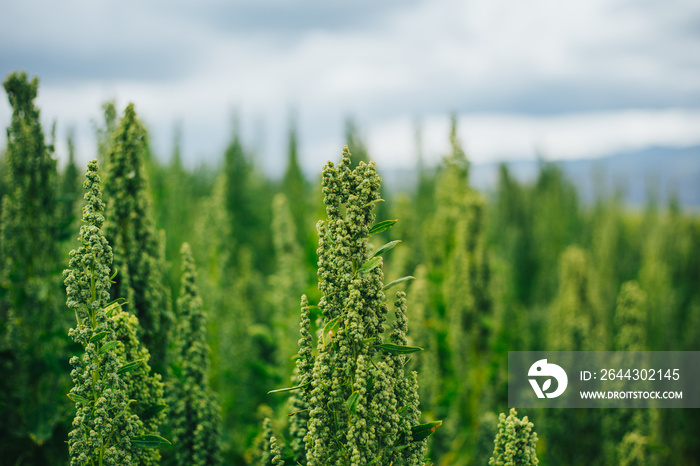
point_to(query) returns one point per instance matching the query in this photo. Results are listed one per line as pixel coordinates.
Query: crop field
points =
(158, 314)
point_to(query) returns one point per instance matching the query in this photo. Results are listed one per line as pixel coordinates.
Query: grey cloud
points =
(283, 18)
(70, 66)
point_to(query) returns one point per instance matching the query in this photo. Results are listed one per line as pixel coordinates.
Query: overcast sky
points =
(567, 79)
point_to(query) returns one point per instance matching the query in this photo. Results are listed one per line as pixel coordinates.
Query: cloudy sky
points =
(565, 79)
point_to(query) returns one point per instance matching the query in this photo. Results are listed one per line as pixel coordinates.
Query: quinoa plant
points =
(295, 187)
(195, 411)
(628, 431)
(575, 322)
(130, 230)
(69, 192)
(290, 276)
(362, 408)
(515, 442)
(106, 429)
(32, 323)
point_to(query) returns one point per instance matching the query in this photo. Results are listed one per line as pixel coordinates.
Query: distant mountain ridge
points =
(663, 171)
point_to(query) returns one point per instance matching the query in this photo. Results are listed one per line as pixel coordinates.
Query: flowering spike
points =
(106, 419)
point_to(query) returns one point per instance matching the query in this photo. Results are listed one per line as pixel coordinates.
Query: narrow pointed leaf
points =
(152, 411)
(77, 398)
(330, 330)
(351, 403)
(373, 202)
(382, 226)
(422, 431)
(149, 441)
(99, 336)
(371, 264)
(385, 248)
(289, 389)
(113, 306)
(399, 349)
(108, 346)
(130, 366)
(397, 282)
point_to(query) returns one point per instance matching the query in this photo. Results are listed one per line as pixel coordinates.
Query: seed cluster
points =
(105, 389)
(361, 406)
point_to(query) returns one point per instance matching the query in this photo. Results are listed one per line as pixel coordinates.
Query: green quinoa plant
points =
(424, 335)
(276, 452)
(575, 322)
(32, 323)
(628, 431)
(69, 193)
(362, 408)
(290, 276)
(299, 401)
(106, 428)
(295, 187)
(515, 442)
(195, 411)
(131, 232)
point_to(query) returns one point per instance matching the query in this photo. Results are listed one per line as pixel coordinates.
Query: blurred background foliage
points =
(526, 267)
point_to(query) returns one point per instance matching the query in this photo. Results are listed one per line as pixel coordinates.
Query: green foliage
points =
(630, 319)
(29, 211)
(528, 267)
(296, 188)
(137, 248)
(362, 407)
(515, 442)
(69, 192)
(576, 315)
(32, 325)
(628, 431)
(248, 202)
(285, 283)
(299, 402)
(106, 421)
(195, 411)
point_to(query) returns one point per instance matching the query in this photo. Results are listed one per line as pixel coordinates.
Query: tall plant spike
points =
(362, 409)
(29, 210)
(130, 229)
(32, 317)
(515, 442)
(105, 428)
(195, 412)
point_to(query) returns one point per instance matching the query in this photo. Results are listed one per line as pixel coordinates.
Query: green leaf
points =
(77, 398)
(113, 306)
(152, 411)
(385, 248)
(382, 226)
(351, 403)
(108, 346)
(330, 329)
(289, 389)
(371, 264)
(99, 336)
(149, 441)
(373, 202)
(397, 282)
(130, 366)
(422, 431)
(399, 349)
